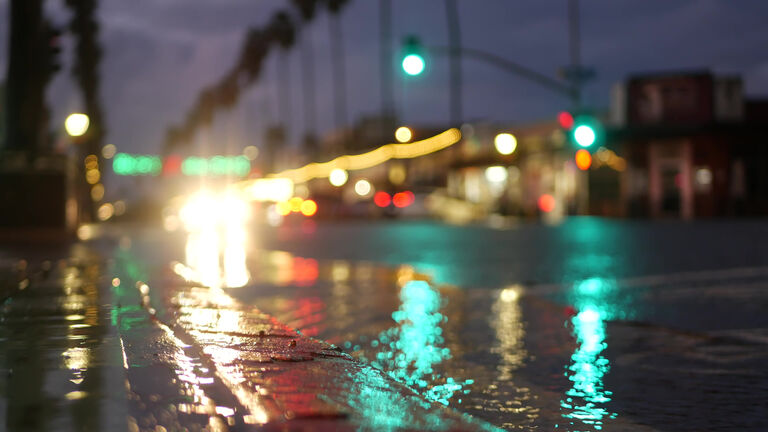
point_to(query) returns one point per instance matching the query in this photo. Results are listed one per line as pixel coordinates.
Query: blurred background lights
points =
(583, 159)
(505, 143)
(396, 174)
(251, 152)
(105, 212)
(584, 135)
(413, 64)
(703, 176)
(108, 151)
(403, 134)
(338, 177)
(382, 199)
(546, 203)
(363, 187)
(76, 124)
(496, 174)
(308, 208)
(97, 192)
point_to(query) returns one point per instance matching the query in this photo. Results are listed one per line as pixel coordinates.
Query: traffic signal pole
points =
(454, 41)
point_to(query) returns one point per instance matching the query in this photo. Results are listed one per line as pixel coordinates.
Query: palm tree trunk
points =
(339, 73)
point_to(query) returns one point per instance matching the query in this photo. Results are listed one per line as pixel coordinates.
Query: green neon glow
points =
(132, 165)
(126, 164)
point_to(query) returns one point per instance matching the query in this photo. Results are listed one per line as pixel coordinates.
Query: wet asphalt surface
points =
(590, 325)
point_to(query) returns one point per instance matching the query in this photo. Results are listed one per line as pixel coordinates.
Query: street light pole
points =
(454, 43)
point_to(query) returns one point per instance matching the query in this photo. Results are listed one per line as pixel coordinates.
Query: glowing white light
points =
(584, 136)
(703, 176)
(363, 187)
(271, 189)
(76, 124)
(413, 64)
(509, 294)
(403, 134)
(588, 316)
(505, 143)
(496, 174)
(338, 177)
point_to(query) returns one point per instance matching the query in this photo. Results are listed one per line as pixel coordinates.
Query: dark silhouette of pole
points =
(385, 61)
(454, 44)
(284, 86)
(308, 85)
(339, 71)
(574, 48)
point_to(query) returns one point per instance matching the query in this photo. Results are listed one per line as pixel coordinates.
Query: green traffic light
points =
(413, 64)
(584, 135)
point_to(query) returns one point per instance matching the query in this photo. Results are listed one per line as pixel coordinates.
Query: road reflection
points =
(216, 245)
(586, 400)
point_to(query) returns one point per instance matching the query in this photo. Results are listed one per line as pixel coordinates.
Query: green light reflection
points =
(409, 351)
(585, 400)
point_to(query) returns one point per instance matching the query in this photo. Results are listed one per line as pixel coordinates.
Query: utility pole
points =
(574, 47)
(385, 65)
(454, 44)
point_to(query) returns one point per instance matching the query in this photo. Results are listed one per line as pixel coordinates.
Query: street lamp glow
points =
(76, 124)
(496, 174)
(505, 143)
(363, 187)
(413, 64)
(338, 177)
(584, 136)
(403, 134)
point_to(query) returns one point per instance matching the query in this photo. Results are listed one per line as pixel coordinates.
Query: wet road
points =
(591, 324)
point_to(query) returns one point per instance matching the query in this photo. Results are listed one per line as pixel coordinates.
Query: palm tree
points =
(337, 63)
(86, 71)
(307, 10)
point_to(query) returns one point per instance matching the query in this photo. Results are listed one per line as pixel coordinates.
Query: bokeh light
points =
(251, 152)
(583, 159)
(308, 208)
(363, 187)
(382, 199)
(97, 192)
(505, 143)
(76, 124)
(403, 134)
(338, 177)
(584, 135)
(413, 64)
(496, 174)
(108, 151)
(546, 203)
(105, 211)
(403, 199)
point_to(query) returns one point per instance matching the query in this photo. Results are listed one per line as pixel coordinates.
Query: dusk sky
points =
(159, 54)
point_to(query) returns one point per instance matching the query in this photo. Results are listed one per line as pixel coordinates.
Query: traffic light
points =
(583, 159)
(413, 58)
(586, 131)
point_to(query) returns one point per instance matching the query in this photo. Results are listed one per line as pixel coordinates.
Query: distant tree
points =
(335, 34)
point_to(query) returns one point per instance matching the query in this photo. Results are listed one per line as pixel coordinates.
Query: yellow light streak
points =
(371, 158)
